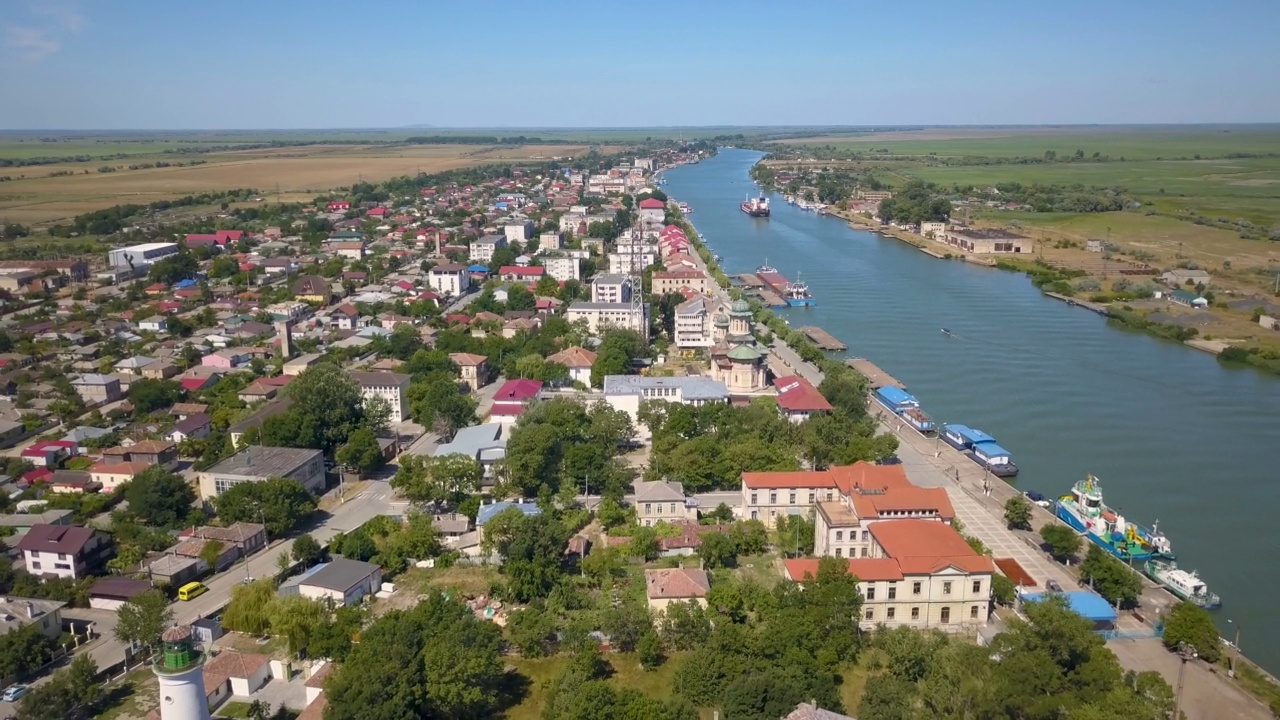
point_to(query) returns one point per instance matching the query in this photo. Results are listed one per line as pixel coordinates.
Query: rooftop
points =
(659, 491)
(1082, 602)
(472, 440)
(69, 539)
(676, 583)
(692, 387)
(261, 461)
(987, 234)
(342, 574)
(487, 512)
(795, 394)
(18, 612)
(923, 548)
(379, 379)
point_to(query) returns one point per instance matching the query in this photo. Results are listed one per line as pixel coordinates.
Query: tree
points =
(306, 551)
(1191, 624)
(1003, 590)
(532, 630)
(211, 552)
(626, 625)
(519, 298)
(326, 402)
(436, 401)
(361, 452)
(71, 694)
(685, 625)
(1111, 578)
(279, 503)
(1017, 513)
(611, 513)
(149, 394)
(601, 565)
(23, 650)
(159, 498)
(436, 480)
(249, 610)
(295, 618)
(1063, 542)
(887, 697)
(644, 543)
(141, 620)
(650, 650)
(532, 555)
(718, 551)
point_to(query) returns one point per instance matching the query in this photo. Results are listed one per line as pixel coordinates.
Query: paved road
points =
(1206, 695)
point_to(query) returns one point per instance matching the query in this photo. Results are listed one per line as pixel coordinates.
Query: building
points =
(669, 585)
(151, 452)
(652, 210)
(256, 463)
(934, 230)
(344, 581)
(660, 501)
(259, 416)
(807, 711)
(179, 667)
(673, 281)
(350, 249)
(95, 389)
(140, 257)
(631, 259)
(518, 232)
(1189, 299)
(868, 494)
(919, 573)
(175, 570)
(66, 551)
(736, 358)
(626, 392)
(798, 399)
(193, 427)
(233, 673)
(513, 397)
(114, 474)
(19, 612)
(561, 266)
(578, 361)
(1184, 276)
(449, 279)
(483, 248)
(112, 592)
(693, 328)
(766, 496)
(983, 242)
(248, 538)
(313, 289)
(473, 370)
(390, 386)
(601, 316)
(612, 288)
(550, 241)
(483, 443)
(301, 364)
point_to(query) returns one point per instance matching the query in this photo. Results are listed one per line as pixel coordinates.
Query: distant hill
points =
(418, 126)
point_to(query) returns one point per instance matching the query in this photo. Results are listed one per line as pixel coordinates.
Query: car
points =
(891, 460)
(1053, 585)
(1038, 499)
(15, 692)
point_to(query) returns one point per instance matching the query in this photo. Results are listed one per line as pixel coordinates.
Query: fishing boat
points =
(1187, 585)
(797, 294)
(1085, 512)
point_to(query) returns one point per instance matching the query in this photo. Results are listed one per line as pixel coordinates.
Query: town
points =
(495, 413)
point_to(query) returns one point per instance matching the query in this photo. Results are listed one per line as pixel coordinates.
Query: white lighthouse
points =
(180, 668)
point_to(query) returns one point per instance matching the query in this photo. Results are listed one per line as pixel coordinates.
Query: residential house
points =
(511, 328)
(151, 452)
(515, 273)
(601, 316)
(351, 249)
(193, 427)
(112, 592)
(20, 612)
(391, 387)
(160, 370)
(95, 389)
(227, 359)
(114, 474)
(66, 551)
(673, 281)
(155, 323)
(798, 399)
(449, 279)
(661, 501)
(671, 585)
(257, 463)
(483, 248)
(492, 510)
(344, 581)
(313, 289)
(248, 538)
(652, 210)
(513, 397)
(302, 363)
(174, 570)
(578, 361)
(484, 443)
(473, 370)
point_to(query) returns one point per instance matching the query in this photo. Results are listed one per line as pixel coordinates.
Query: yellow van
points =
(191, 590)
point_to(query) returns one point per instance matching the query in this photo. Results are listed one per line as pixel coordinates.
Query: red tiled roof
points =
(678, 583)
(132, 467)
(517, 270)
(869, 569)
(789, 479)
(795, 394)
(651, 204)
(923, 547)
(518, 390)
(574, 357)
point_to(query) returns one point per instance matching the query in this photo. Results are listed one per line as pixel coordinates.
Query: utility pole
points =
(1185, 654)
(1231, 671)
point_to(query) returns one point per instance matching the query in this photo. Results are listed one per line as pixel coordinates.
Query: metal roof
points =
(342, 574)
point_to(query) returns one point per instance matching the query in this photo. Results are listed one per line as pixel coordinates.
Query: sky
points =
(161, 64)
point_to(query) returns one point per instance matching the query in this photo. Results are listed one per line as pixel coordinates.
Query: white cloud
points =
(47, 23)
(31, 44)
(60, 14)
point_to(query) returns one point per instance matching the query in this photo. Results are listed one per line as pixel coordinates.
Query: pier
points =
(768, 297)
(749, 280)
(875, 376)
(823, 339)
(1095, 307)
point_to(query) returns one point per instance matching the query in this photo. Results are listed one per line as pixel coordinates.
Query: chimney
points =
(31, 610)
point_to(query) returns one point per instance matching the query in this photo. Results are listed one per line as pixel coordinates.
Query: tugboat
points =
(797, 294)
(757, 207)
(1085, 512)
(1187, 585)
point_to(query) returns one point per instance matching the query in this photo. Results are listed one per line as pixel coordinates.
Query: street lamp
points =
(1231, 671)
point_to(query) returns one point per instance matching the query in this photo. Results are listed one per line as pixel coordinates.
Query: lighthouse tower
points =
(180, 668)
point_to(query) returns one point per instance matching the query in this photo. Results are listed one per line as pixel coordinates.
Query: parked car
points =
(891, 460)
(15, 692)
(1038, 499)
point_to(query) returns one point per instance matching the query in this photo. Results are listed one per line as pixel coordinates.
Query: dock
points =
(875, 376)
(1087, 305)
(823, 339)
(769, 298)
(749, 280)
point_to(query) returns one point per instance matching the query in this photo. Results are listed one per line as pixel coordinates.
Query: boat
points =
(906, 406)
(1187, 585)
(774, 280)
(756, 207)
(1085, 512)
(981, 448)
(798, 295)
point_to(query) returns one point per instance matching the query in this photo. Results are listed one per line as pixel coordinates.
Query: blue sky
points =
(148, 64)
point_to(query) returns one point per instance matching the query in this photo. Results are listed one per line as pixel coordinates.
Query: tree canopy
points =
(159, 497)
(559, 441)
(279, 503)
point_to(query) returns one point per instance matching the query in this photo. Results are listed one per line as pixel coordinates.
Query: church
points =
(736, 359)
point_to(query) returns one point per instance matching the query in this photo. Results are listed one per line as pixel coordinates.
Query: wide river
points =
(1173, 435)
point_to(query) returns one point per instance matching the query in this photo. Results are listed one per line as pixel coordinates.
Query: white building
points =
(257, 463)
(140, 257)
(626, 392)
(550, 240)
(632, 258)
(344, 581)
(518, 232)
(65, 551)
(612, 288)
(390, 386)
(449, 279)
(561, 267)
(483, 248)
(601, 316)
(693, 324)
(660, 501)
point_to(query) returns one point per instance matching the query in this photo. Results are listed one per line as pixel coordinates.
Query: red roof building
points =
(798, 398)
(513, 397)
(652, 204)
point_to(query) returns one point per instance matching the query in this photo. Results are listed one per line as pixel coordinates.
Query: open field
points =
(298, 173)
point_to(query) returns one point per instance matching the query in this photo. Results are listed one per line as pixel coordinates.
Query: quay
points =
(749, 280)
(1095, 307)
(768, 297)
(876, 378)
(823, 339)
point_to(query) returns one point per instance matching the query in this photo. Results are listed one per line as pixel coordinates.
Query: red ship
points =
(757, 207)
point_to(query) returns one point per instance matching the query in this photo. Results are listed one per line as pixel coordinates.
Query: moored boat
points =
(797, 294)
(774, 280)
(906, 406)
(981, 448)
(1185, 584)
(1084, 510)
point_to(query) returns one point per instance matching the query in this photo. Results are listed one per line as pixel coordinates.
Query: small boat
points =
(906, 406)
(947, 332)
(1085, 512)
(1187, 585)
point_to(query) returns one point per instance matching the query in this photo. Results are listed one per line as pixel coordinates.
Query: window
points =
(839, 535)
(871, 592)
(946, 615)
(35, 564)
(673, 508)
(973, 613)
(791, 498)
(754, 499)
(946, 588)
(866, 535)
(648, 508)
(915, 613)
(889, 613)
(839, 552)
(62, 556)
(871, 614)
(812, 497)
(773, 498)
(755, 515)
(977, 586)
(893, 592)
(864, 552)
(915, 588)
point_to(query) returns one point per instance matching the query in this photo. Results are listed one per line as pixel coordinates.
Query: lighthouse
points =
(180, 668)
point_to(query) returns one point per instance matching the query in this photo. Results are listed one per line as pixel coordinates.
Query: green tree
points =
(159, 498)
(601, 566)
(520, 298)
(141, 620)
(279, 503)
(532, 630)
(448, 479)
(1017, 513)
(1003, 590)
(626, 625)
(1111, 578)
(328, 403)
(148, 394)
(718, 551)
(295, 618)
(644, 543)
(1191, 624)
(685, 625)
(249, 610)
(23, 650)
(611, 513)
(532, 556)
(361, 452)
(436, 401)
(74, 693)
(888, 697)
(650, 650)
(306, 551)
(1062, 541)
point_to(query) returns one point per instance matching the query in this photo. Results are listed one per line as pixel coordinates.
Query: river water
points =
(1173, 435)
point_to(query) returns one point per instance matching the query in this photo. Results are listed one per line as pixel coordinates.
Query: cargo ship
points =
(756, 207)
(906, 406)
(773, 279)
(1085, 512)
(980, 448)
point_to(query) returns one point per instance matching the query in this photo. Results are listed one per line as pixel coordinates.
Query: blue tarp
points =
(1085, 604)
(990, 450)
(478, 268)
(183, 284)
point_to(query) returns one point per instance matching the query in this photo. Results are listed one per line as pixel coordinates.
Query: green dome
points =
(740, 306)
(722, 321)
(742, 352)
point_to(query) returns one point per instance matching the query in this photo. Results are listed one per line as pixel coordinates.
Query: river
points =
(1173, 435)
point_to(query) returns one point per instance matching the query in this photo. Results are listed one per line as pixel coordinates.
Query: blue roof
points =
(991, 449)
(973, 435)
(961, 430)
(487, 512)
(897, 396)
(478, 268)
(185, 283)
(1084, 603)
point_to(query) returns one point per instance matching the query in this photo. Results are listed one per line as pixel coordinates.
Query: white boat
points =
(1186, 584)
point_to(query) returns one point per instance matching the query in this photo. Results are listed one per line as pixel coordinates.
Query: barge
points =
(906, 406)
(981, 448)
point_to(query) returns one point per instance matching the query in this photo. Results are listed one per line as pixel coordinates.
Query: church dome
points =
(740, 306)
(722, 321)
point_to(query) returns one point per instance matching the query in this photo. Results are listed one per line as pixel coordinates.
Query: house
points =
(449, 279)
(515, 273)
(301, 363)
(601, 316)
(20, 612)
(798, 399)
(1189, 299)
(133, 365)
(49, 453)
(492, 510)
(232, 673)
(669, 585)
(160, 370)
(1184, 276)
(338, 206)
(184, 410)
(72, 481)
(390, 386)
(350, 249)
(313, 289)
(95, 389)
(660, 501)
(114, 474)
(578, 361)
(920, 574)
(224, 556)
(155, 323)
(511, 328)
(193, 427)
(513, 397)
(227, 359)
(258, 463)
(483, 443)
(66, 551)
(627, 392)
(768, 495)
(344, 581)
(473, 370)
(151, 452)
(806, 711)
(673, 281)
(652, 210)
(175, 570)
(112, 592)
(345, 317)
(865, 495)
(248, 538)
(693, 324)
(483, 248)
